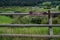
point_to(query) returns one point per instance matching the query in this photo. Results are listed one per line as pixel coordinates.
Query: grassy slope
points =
(5, 20)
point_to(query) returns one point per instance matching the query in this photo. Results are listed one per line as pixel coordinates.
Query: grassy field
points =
(27, 30)
(26, 9)
(23, 30)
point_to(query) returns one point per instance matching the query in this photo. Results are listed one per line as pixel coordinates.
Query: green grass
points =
(27, 30)
(56, 30)
(25, 9)
(23, 30)
(5, 20)
(13, 9)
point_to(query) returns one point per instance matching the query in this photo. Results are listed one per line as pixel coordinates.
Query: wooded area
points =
(26, 2)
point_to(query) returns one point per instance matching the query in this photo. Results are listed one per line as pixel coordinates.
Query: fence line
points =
(30, 35)
(14, 13)
(26, 13)
(51, 35)
(28, 25)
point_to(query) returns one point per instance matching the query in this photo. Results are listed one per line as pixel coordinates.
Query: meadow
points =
(27, 9)
(24, 30)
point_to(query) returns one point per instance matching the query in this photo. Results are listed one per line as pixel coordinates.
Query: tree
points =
(48, 4)
(59, 7)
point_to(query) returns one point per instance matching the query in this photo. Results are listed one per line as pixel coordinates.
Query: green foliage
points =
(44, 20)
(59, 7)
(32, 20)
(26, 9)
(26, 2)
(25, 20)
(46, 3)
(36, 20)
(55, 20)
(40, 20)
(28, 20)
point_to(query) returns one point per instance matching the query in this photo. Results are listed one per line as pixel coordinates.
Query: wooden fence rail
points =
(14, 13)
(30, 35)
(29, 25)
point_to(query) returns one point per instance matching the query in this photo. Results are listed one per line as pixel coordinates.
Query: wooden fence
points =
(51, 35)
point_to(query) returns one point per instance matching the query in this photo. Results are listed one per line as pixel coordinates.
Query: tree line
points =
(25, 2)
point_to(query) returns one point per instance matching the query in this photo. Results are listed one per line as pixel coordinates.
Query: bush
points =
(58, 7)
(32, 20)
(54, 20)
(44, 20)
(40, 20)
(36, 20)
(23, 20)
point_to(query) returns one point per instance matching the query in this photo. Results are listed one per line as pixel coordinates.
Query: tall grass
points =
(26, 30)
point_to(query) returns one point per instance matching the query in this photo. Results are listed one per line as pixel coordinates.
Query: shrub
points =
(36, 20)
(59, 7)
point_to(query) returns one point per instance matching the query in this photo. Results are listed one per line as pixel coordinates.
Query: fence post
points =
(50, 23)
